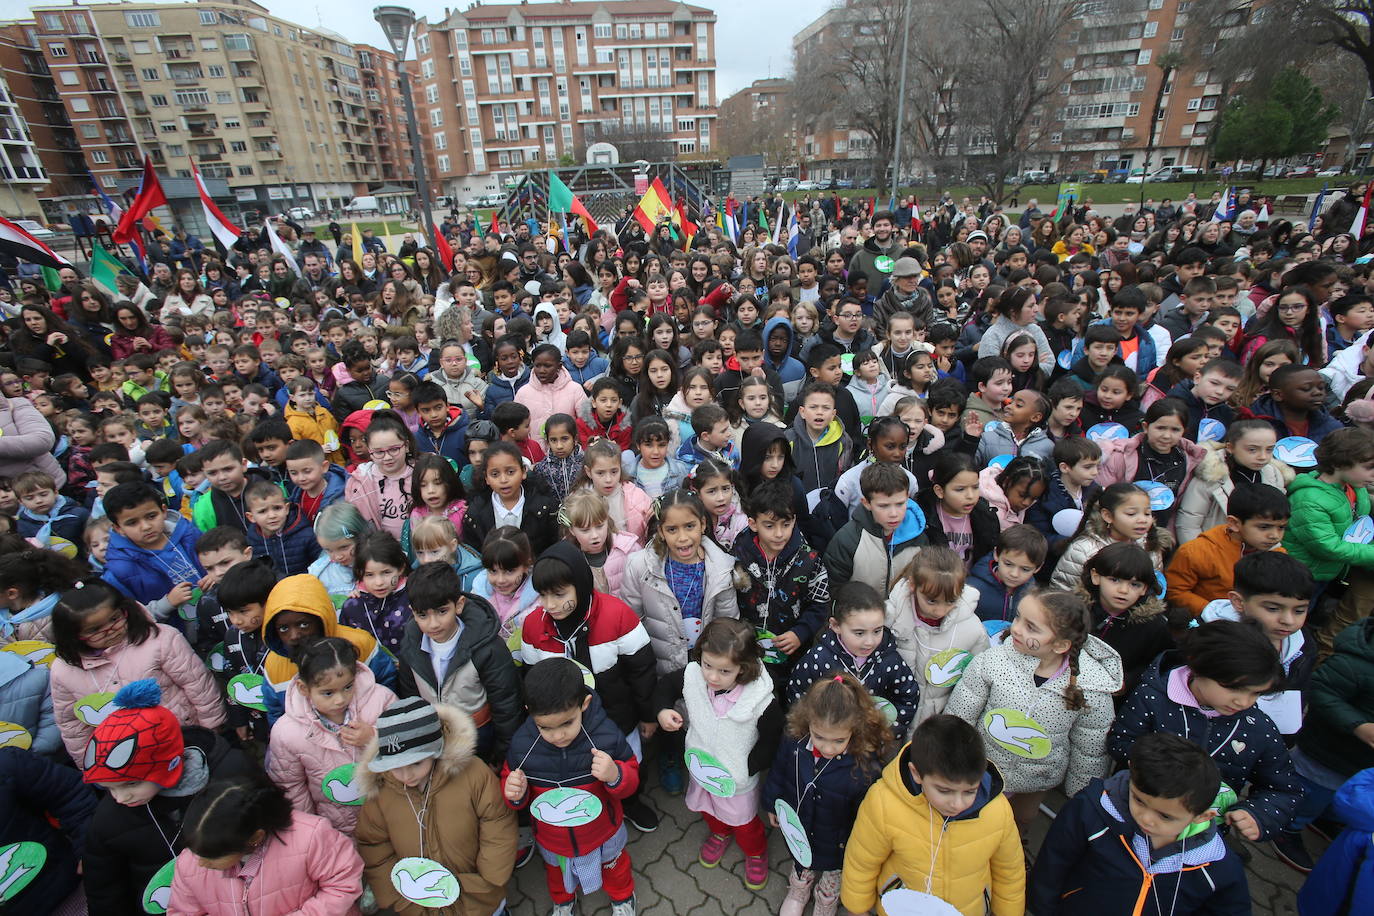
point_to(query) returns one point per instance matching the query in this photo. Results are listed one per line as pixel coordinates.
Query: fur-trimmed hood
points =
(1152, 606)
(1213, 468)
(460, 748)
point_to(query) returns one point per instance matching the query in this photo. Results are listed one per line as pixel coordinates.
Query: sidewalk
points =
(670, 882)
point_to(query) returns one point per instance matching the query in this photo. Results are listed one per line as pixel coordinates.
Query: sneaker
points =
(713, 849)
(640, 815)
(671, 774)
(798, 895)
(1289, 848)
(756, 872)
(564, 909)
(624, 908)
(523, 855)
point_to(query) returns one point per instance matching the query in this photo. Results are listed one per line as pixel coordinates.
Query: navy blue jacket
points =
(501, 389)
(1319, 424)
(1090, 864)
(884, 675)
(291, 550)
(264, 377)
(1056, 499)
(32, 790)
(828, 806)
(994, 601)
(67, 520)
(451, 443)
(800, 596)
(335, 480)
(1246, 747)
(1223, 413)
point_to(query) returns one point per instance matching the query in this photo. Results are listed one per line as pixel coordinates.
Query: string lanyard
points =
(367, 617)
(935, 851)
(1154, 885)
(861, 678)
(559, 782)
(171, 844)
(796, 776)
(424, 809)
(570, 644)
(253, 667)
(186, 572)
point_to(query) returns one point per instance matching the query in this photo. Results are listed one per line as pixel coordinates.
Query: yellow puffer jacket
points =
(898, 834)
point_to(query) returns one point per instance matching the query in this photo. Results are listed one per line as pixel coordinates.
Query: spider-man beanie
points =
(140, 741)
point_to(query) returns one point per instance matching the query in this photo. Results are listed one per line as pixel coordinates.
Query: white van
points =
(361, 205)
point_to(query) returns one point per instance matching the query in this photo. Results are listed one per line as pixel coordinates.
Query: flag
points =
(730, 226)
(1316, 209)
(357, 238)
(915, 216)
(18, 243)
(443, 249)
(763, 222)
(782, 208)
(149, 195)
(653, 206)
(1262, 218)
(221, 227)
(563, 200)
(563, 227)
(281, 247)
(51, 280)
(105, 269)
(743, 217)
(793, 235)
(1357, 227)
(112, 209)
(687, 228)
(495, 228)
(1224, 207)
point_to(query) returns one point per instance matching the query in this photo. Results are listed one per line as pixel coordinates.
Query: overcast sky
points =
(753, 39)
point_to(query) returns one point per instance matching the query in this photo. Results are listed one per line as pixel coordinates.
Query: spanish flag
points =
(653, 206)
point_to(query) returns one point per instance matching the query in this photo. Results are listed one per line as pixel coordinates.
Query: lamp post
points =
(396, 23)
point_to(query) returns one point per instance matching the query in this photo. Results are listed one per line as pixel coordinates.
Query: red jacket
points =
(588, 426)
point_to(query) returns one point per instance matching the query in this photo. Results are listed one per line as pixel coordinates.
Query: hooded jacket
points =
(1068, 572)
(1204, 569)
(1121, 460)
(385, 618)
(870, 397)
(630, 465)
(352, 395)
(451, 442)
(148, 575)
(788, 594)
(26, 441)
(480, 679)
(45, 803)
(26, 701)
(1004, 329)
(597, 366)
(1345, 872)
(563, 396)
(1316, 530)
(860, 552)
(317, 427)
(1198, 411)
(884, 674)
(335, 481)
(469, 830)
(1147, 354)
(789, 369)
(648, 594)
(994, 601)
(1056, 498)
(1320, 424)
(1246, 746)
(304, 750)
(1340, 698)
(820, 462)
(291, 550)
(919, 644)
(997, 439)
(215, 507)
(588, 425)
(1343, 371)
(1096, 861)
(1138, 636)
(1203, 506)
(1001, 680)
(306, 595)
(898, 835)
(458, 389)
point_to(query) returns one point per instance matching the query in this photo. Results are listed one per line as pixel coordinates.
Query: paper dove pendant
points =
(339, 786)
(425, 882)
(1017, 733)
(19, 864)
(566, 807)
(247, 690)
(709, 773)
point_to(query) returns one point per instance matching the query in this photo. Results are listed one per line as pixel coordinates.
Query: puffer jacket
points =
(1000, 680)
(936, 656)
(1316, 531)
(1056, 499)
(1138, 636)
(1203, 505)
(589, 426)
(385, 618)
(1121, 460)
(1247, 747)
(458, 389)
(317, 427)
(480, 680)
(146, 575)
(826, 795)
(1345, 872)
(1204, 569)
(997, 499)
(858, 551)
(1340, 698)
(188, 689)
(897, 834)
(304, 751)
(544, 401)
(789, 369)
(994, 601)
(884, 674)
(474, 837)
(788, 594)
(501, 389)
(292, 549)
(308, 867)
(384, 501)
(26, 701)
(1069, 571)
(997, 439)
(1004, 329)
(42, 802)
(26, 441)
(820, 462)
(648, 595)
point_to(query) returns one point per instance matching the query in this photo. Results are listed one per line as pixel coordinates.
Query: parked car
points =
(1332, 172)
(1036, 176)
(1301, 171)
(808, 185)
(1136, 176)
(300, 213)
(36, 229)
(788, 184)
(844, 183)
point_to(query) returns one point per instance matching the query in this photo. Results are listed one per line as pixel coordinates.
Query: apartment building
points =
(20, 168)
(759, 119)
(504, 88)
(828, 147)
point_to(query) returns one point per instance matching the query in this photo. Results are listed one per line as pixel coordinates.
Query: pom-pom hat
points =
(139, 742)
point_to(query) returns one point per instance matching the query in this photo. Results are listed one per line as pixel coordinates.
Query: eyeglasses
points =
(387, 452)
(634, 357)
(851, 314)
(109, 626)
(1291, 306)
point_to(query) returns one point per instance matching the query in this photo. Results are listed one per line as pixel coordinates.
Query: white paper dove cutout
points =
(709, 774)
(93, 708)
(18, 863)
(343, 793)
(424, 882)
(794, 833)
(1016, 737)
(246, 690)
(566, 807)
(12, 735)
(940, 673)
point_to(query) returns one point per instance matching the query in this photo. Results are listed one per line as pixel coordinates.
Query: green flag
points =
(51, 280)
(763, 221)
(560, 195)
(104, 268)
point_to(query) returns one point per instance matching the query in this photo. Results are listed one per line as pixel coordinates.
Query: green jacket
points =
(1340, 698)
(1321, 515)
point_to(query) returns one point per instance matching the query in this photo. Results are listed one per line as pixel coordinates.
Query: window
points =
(436, 117)
(1209, 103)
(441, 140)
(141, 47)
(99, 155)
(52, 22)
(444, 164)
(1068, 63)
(601, 31)
(501, 36)
(431, 94)
(68, 77)
(622, 32)
(464, 65)
(224, 98)
(422, 43)
(238, 42)
(238, 146)
(634, 30)
(90, 131)
(142, 20)
(208, 17)
(176, 149)
(1156, 4)
(486, 36)
(426, 69)
(1143, 57)
(234, 123)
(522, 58)
(79, 104)
(1151, 29)
(57, 49)
(1194, 104)
(193, 97)
(157, 101)
(687, 146)
(209, 44)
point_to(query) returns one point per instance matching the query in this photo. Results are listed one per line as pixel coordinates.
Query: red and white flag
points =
(149, 197)
(221, 227)
(1357, 227)
(15, 241)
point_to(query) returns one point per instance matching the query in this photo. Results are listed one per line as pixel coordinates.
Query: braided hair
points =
(1070, 619)
(223, 819)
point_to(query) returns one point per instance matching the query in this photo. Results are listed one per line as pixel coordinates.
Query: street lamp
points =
(396, 23)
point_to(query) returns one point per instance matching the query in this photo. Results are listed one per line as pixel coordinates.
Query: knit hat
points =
(138, 742)
(408, 731)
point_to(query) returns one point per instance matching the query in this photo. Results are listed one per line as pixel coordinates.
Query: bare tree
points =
(634, 141)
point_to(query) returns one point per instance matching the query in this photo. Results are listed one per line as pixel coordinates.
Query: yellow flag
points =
(357, 243)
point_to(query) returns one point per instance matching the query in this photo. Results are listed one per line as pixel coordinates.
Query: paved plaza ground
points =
(670, 882)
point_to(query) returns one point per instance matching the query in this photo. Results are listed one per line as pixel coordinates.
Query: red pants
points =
(617, 880)
(751, 838)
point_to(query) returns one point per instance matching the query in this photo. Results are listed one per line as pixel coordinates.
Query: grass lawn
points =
(1110, 193)
(379, 227)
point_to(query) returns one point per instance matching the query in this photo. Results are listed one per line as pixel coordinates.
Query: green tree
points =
(1289, 119)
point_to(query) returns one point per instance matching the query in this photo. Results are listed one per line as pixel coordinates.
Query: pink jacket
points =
(638, 508)
(544, 401)
(304, 751)
(1121, 462)
(622, 545)
(310, 869)
(987, 484)
(188, 689)
(383, 501)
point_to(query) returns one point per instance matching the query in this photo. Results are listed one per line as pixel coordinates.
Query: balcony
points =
(90, 59)
(121, 57)
(210, 157)
(10, 133)
(201, 130)
(99, 84)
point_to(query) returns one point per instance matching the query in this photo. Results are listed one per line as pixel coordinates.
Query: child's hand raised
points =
(180, 593)
(973, 424)
(787, 642)
(356, 734)
(516, 785)
(1244, 822)
(670, 720)
(604, 767)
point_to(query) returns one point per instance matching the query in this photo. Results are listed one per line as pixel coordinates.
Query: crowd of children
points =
(361, 600)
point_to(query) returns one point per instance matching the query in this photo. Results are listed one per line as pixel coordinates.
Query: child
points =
(513, 423)
(821, 449)
(587, 523)
(245, 826)
(299, 611)
(601, 415)
(452, 654)
(278, 530)
(1325, 503)
(96, 540)
(152, 554)
(437, 492)
(568, 742)
(1005, 576)
(888, 440)
(422, 762)
(577, 620)
(331, 706)
(696, 390)
(714, 483)
(1121, 512)
(711, 438)
(829, 756)
(1071, 485)
(380, 605)
(957, 516)
(1139, 835)
(316, 482)
(563, 461)
(1019, 432)
(887, 529)
(733, 722)
(1159, 454)
(1203, 568)
(1207, 392)
(858, 643)
(1099, 349)
(1206, 691)
(1012, 489)
(222, 461)
(1021, 352)
(602, 474)
(938, 795)
(308, 420)
(379, 487)
(1295, 404)
(916, 375)
(869, 386)
(338, 528)
(105, 640)
(1113, 400)
(1182, 363)
(1049, 681)
(930, 614)
(755, 403)
(788, 589)
(503, 498)
(650, 466)
(233, 637)
(1121, 591)
(1065, 398)
(442, 430)
(433, 539)
(46, 517)
(507, 559)
(1244, 459)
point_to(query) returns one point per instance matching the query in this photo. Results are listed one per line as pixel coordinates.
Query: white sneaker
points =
(564, 909)
(624, 908)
